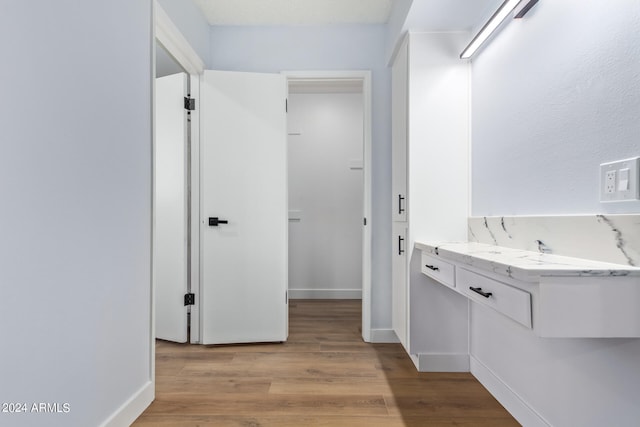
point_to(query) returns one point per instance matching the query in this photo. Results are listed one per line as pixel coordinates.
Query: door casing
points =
(365, 78)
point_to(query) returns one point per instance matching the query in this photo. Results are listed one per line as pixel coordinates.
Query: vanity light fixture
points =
(521, 7)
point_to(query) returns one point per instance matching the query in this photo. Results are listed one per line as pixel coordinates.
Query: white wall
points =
(75, 191)
(438, 137)
(325, 244)
(555, 95)
(192, 24)
(343, 47)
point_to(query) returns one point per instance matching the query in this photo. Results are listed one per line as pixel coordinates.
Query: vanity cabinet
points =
(553, 296)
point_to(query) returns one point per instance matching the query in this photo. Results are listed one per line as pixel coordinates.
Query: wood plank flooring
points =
(324, 375)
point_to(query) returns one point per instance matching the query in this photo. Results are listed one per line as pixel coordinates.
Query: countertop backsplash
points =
(608, 238)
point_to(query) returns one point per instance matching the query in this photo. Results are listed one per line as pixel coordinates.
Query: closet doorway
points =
(328, 174)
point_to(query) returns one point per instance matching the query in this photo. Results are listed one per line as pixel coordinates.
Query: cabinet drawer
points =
(512, 302)
(440, 270)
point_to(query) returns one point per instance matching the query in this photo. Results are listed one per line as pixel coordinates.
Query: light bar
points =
(503, 11)
(524, 7)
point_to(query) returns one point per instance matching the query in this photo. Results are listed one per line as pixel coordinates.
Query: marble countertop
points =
(523, 265)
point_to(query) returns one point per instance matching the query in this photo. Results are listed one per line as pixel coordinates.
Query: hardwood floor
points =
(324, 375)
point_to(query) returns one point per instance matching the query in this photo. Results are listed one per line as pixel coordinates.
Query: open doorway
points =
(329, 178)
(325, 151)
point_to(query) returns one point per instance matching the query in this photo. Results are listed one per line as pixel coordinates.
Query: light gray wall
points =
(192, 24)
(555, 95)
(75, 191)
(325, 244)
(344, 47)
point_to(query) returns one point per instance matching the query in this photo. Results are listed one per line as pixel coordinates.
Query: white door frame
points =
(169, 36)
(365, 77)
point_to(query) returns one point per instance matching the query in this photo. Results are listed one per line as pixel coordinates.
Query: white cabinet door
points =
(399, 102)
(243, 164)
(170, 208)
(399, 282)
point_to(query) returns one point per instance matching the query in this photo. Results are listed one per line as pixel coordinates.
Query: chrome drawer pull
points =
(480, 292)
(431, 267)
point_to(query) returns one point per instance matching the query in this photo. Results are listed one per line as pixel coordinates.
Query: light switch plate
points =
(612, 189)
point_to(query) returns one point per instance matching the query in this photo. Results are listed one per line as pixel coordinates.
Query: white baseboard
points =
(132, 408)
(325, 294)
(383, 336)
(508, 398)
(414, 359)
(442, 362)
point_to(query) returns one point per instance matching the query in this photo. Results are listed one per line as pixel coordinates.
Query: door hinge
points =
(365, 221)
(286, 105)
(189, 104)
(286, 297)
(189, 299)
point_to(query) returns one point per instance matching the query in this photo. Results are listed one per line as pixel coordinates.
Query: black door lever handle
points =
(214, 221)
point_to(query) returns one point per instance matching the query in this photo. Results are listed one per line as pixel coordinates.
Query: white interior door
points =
(244, 182)
(171, 210)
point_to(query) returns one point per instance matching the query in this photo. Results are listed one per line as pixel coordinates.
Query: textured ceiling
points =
(295, 12)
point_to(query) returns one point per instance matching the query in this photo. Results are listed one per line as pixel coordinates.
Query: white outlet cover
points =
(610, 181)
(630, 168)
